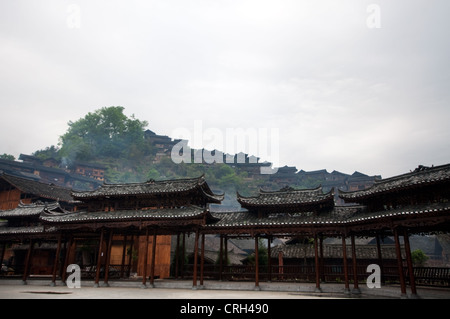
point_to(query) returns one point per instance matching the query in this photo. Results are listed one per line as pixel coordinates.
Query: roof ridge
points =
(8, 176)
(284, 190)
(200, 178)
(406, 179)
(290, 189)
(421, 169)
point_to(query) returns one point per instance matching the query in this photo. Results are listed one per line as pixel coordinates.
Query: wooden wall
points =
(10, 199)
(162, 261)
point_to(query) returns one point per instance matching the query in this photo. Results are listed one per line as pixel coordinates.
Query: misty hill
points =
(106, 145)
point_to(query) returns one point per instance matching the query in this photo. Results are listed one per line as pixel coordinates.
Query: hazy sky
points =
(346, 85)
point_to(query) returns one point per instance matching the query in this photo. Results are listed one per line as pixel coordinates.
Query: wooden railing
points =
(429, 276)
(426, 276)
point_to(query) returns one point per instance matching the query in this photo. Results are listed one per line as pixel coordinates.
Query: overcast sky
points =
(350, 85)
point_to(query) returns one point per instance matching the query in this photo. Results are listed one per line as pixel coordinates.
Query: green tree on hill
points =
(7, 157)
(107, 132)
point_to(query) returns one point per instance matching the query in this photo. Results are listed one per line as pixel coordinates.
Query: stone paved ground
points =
(47, 292)
(177, 289)
(176, 299)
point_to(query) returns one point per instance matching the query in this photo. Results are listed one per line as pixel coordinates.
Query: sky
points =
(349, 85)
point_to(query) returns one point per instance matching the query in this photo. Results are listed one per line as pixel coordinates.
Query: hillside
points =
(128, 152)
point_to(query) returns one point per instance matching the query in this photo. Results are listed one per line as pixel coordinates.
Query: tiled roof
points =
(48, 191)
(300, 251)
(422, 176)
(152, 187)
(286, 196)
(25, 210)
(121, 215)
(414, 210)
(28, 230)
(339, 215)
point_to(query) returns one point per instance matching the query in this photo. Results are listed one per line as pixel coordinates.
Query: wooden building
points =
(90, 170)
(21, 203)
(20, 226)
(149, 212)
(135, 216)
(295, 259)
(15, 190)
(48, 171)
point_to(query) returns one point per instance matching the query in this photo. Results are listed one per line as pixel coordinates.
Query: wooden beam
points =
(108, 258)
(225, 253)
(26, 271)
(269, 252)
(321, 262)
(356, 289)
(202, 260)
(55, 263)
(152, 268)
(257, 264)
(221, 258)
(280, 264)
(194, 279)
(380, 256)
(144, 275)
(99, 259)
(130, 258)
(401, 275)
(412, 279)
(183, 255)
(124, 251)
(317, 266)
(345, 260)
(67, 259)
(177, 255)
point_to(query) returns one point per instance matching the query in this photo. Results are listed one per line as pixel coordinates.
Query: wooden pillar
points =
(356, 289)
(130, 258)
(221, 258)
(2, 256)
(144, 275)
(225, 253)
(108, 258)
(99, 259)
(412, 279)
(317, 268)
(177, 256)
(194, 276)
(152, 268)
(269, 262)
(380, 257)
(401, 275)
(321, 263)
(345, 260)
(26, 270)
(256, 264)
(202, 260)
(183, 255)
(280, 264)
(67, 259)
(64, 249)
(55, 263)
(124, 252)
